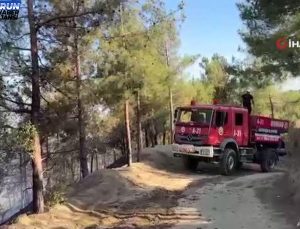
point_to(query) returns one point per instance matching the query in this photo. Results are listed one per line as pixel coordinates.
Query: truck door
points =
(240, 128)
(222, 124)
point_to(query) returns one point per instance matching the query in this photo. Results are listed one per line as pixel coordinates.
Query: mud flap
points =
(276, 157)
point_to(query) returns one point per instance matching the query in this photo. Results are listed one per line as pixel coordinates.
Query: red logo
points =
(282, 43)
(221, 131)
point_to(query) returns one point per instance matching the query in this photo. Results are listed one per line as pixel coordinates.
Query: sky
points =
(211, 26)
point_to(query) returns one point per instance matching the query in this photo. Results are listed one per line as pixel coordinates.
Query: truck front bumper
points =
(195, 151)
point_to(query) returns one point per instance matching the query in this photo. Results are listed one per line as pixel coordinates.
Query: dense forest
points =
(88, 83)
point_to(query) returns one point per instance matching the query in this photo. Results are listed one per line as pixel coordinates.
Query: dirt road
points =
(160, 193)
(248, 200)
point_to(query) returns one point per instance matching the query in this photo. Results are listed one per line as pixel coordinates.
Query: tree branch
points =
(15, 102)
(60, 91)
(58, 17)
(45, 99)
(22, 49)
(18, 38)
(41, 62)
(17, 111)
(27, 189)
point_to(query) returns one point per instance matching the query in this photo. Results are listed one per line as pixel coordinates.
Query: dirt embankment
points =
(142, 196)
(294, 159)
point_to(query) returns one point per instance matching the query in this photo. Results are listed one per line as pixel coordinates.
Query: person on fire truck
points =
(248, 101)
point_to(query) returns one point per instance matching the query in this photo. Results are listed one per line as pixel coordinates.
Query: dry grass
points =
(146, 176)
(63, 217)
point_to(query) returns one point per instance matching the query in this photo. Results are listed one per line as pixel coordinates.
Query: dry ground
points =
(159, 193)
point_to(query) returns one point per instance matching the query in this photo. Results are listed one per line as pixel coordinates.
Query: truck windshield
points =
(201, 116)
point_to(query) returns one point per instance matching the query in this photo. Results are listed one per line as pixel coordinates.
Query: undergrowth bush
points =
(56, 195)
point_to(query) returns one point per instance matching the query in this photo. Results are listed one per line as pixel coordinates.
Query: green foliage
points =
(286, 104)
(15, 140)
(217, 74)
(204, 91)
(266, 21)
(25, 136)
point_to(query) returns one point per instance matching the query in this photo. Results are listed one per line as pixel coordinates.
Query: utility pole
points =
(139, 126)
(271, 106)
(171, 110)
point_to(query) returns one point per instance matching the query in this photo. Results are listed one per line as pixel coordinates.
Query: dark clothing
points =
(247, 99)
(249, 109)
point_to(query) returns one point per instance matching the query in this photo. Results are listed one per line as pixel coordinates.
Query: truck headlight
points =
(205, 152)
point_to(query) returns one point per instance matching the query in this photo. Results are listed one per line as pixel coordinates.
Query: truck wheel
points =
(268, 160)
(228, 161)
(239, 165)
(190, 163)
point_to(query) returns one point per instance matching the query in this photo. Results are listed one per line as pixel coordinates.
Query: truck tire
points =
(190, 163)
(228, 162)
(268, 160)
(239, 165)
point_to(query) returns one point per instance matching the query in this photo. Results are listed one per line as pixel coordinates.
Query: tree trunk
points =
(146, 138)
(27, 196)
(126, 105)
(115, 155)
(164, 137)
(104, 160)
(37, 170)
(22, 179)
(153, 133)
(124, 146)
(72, 169)
(152, 140)
(128, 135)
(156, 139)
(81, 125)
(37, 176)
(47, 150)
(139, 128)
(92, 162)
(97, 162)
(271, 106)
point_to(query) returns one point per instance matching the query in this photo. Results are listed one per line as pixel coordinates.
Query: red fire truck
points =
(227, 135)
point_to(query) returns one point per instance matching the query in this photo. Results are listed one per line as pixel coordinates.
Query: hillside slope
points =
(141, 195)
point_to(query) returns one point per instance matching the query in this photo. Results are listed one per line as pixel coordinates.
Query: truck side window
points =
(221, 118)
(175, 115)
(239, 119)
(185, 116)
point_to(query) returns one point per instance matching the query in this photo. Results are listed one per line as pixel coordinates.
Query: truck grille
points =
(189, 139)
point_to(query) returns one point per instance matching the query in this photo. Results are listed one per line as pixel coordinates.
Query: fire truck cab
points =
(226, 135)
